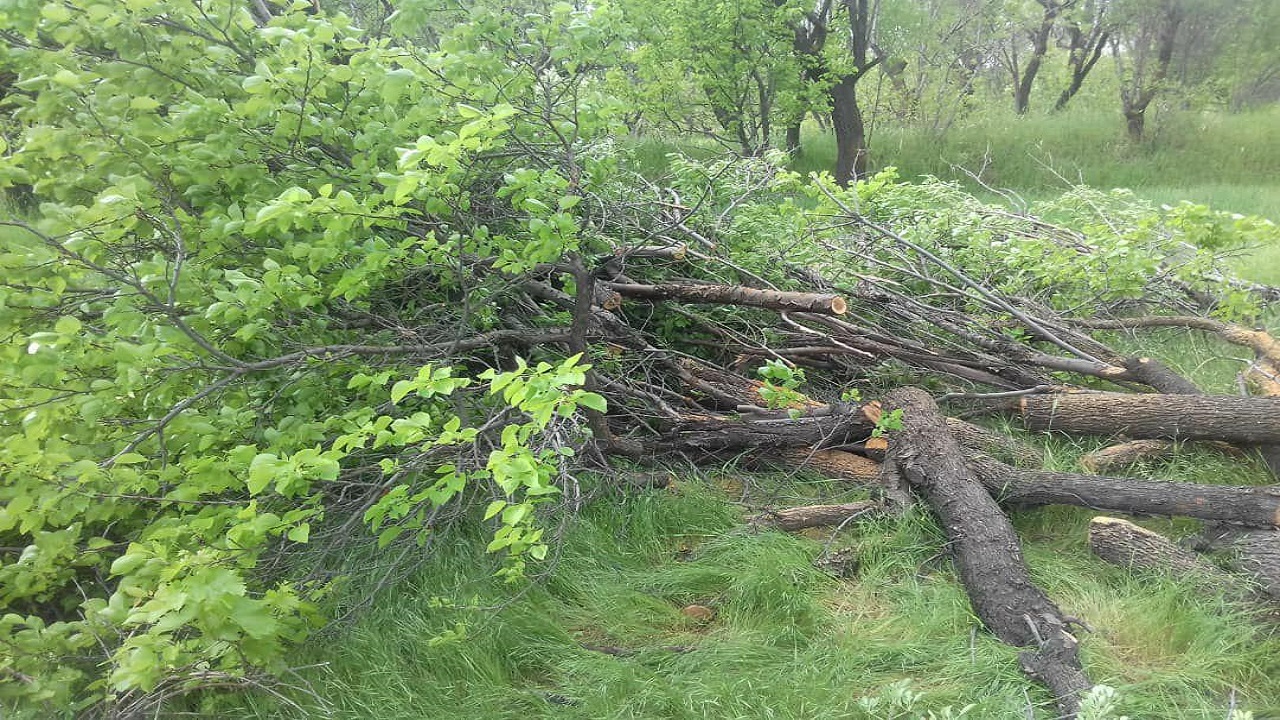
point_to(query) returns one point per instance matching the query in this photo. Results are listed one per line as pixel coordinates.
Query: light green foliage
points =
(780, 383)
(1100, 704)
(184, 387)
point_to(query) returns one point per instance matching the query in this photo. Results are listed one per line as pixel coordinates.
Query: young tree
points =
(1036, 45)
(1088, 29)
(1143, 47)
(846, 115)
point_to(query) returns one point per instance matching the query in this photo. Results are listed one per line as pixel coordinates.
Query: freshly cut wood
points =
(1248, 506)
(799, 518)
(1123, 543)
(1254, 420)
(986, 550)
(1126, 454)
(824, 303)
(833, 463)
(1251, 552)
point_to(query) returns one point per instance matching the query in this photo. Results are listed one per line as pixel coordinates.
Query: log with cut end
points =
(807, 516)
(823, 303)
(1125, 454)
(1122, 543)
(1248, 506)
(1254, 420)
(987, 552)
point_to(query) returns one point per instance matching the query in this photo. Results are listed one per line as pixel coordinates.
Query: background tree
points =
(1143, 47)
(1087, 30)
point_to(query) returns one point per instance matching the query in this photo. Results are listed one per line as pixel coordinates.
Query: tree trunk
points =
(1249, 506)
(1252, 552)
(711, 435)
(1039, 46)
(1253, 420)
(1126, 454)
(986, 550)
(793, 140)
(1122, 543)
(1135, 121)
(851, 139)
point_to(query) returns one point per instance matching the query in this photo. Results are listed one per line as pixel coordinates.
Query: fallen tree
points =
(986, 550)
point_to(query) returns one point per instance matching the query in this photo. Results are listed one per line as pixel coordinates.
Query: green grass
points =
(1229, 161)
(787, 641)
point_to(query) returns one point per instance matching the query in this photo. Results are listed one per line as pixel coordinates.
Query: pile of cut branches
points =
(288, 295)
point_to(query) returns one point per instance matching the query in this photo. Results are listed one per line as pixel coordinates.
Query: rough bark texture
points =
(1254, 420)
(1122, 543)
(713, 435)
(1253, 552)
(987, 552)
(834, 463)
(1001, 446)
(735, 295)
(799, 518)
(1249, 506)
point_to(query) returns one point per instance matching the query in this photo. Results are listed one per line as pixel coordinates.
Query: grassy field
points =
(1228, 161)
(787, 641)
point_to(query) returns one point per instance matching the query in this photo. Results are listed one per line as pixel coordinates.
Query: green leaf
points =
(300, 533)
(593, 401)
(402, 388)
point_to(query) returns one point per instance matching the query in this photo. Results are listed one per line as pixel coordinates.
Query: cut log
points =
(1251, 552)
(799, 518)
(714, 434)
(1122, 543)
(833, 463)
(823, 303)
(1125, 454)
(1253, 420)
(986, 550)
(1249, 506)
(1001, 446)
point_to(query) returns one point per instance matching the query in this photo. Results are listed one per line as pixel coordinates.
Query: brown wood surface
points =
(825, 303)
(1254, 420)
(807, 516)
(986, 549)
(1249, 506)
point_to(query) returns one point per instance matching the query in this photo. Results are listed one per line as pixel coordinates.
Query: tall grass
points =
(1229, 161)
(787, 640)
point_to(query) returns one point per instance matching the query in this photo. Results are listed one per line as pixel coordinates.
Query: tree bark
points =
(850, 132)
(1252, 552)
(1253, 420)
(715, 435)
(824, 303)
(1126, 454)
(986, 550)
(1250, 506)
(1122, 543)
(1039, 46)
